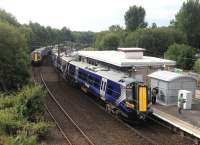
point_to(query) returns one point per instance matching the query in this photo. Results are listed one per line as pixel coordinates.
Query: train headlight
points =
(130, 105)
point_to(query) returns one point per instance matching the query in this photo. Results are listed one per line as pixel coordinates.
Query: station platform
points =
(188, 120)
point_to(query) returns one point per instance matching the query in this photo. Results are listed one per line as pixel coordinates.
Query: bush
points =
(39, 129)
(197, 66)
(7, 101)
(10, 121)
(21, 117)
(31, 104)
(21, 139)
(184, 55)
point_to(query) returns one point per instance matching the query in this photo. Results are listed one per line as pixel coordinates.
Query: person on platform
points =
(154, 95)
(181, 102)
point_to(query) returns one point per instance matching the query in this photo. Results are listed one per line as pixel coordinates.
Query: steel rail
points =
(65, 113)
(58, 126)
(49, 112)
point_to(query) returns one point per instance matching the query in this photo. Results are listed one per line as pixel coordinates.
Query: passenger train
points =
(122, 94)
(38, 55)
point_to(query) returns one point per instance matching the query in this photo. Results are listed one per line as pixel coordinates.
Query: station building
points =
(130, 61)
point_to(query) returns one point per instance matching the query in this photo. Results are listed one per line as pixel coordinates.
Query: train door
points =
(65, 70)
(76, 74)
(103, 88)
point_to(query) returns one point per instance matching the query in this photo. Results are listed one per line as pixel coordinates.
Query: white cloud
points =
(95, 15)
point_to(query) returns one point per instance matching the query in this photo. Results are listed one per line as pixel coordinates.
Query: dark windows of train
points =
(82, 76)
(96, 83)
(90, 80)
(116, 94)
(71, 70)
(134, 92)
(109, 89)
(129, 94)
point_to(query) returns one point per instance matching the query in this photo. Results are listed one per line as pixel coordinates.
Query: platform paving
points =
(188, 120)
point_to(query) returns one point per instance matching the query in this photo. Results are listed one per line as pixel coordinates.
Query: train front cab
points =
(137, 100)
(36, 58)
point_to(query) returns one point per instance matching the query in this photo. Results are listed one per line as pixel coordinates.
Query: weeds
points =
(21, 117)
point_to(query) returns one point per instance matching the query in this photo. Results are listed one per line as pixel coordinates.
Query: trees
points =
(197, 66)
(110, 41)
(188, 20)
(7, 17)
(184, 55)
(115, 28)
(14, 60)
(107, 40)
(134, 18)
(155, 40)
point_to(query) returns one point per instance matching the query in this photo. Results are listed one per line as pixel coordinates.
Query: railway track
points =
(67, 116)
(148, 134)
(85, 139)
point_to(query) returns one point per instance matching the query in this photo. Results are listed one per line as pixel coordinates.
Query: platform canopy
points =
(125, 57)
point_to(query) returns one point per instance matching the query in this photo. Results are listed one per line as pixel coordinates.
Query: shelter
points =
(169, 83)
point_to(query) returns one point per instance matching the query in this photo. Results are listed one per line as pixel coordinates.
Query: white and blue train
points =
(38, 55)
(121, 93)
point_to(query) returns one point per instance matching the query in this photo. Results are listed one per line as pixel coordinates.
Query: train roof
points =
(110, 74)
(117, 58)
(114, 75)
(39, 49)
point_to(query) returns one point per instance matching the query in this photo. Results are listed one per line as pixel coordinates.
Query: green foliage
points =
(134, 18)
(10, 121)
(86, 38)
(21, 139)
(8, 18)
(110, 41)
(184, 55)
(7, 101)
(107, 40)
(115, 28)
(14, 60)
(31, 104)
(197, 66)
(154, 40)
(39, 129)
(41, 36)
(188, 20)
(21, 117)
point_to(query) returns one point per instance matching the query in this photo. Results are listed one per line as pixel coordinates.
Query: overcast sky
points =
(84, 15)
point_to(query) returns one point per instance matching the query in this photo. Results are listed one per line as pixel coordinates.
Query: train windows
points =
(129, 94)
(90, 79)
(134, 92)
(71, 70)
(109, 89)
(82, 76)
(96, 83)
